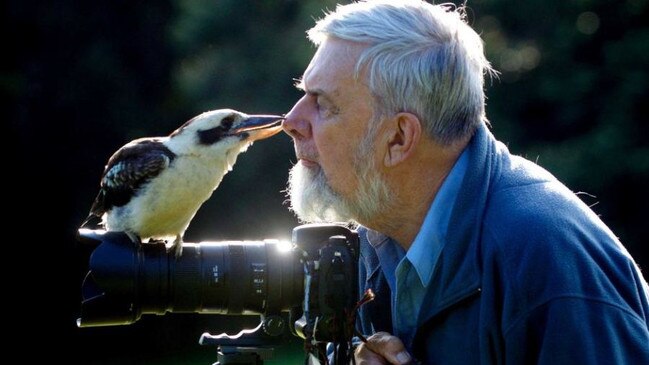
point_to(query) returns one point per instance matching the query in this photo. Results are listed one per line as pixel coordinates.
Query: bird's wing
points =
(127, 170)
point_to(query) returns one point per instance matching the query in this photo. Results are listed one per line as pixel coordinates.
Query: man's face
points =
(329, 125)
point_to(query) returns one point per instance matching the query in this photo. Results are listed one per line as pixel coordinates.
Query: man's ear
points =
(402, 138)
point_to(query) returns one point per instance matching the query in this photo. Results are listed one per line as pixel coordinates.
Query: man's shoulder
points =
(544, 240)
(532, 217)
(526, 199)
(516, 172)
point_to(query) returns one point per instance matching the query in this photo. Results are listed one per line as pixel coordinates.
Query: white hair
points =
(421, 58)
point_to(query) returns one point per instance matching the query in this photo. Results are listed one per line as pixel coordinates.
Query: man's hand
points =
(382, 348)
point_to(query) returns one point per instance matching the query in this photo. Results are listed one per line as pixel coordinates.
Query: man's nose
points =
(296, 123)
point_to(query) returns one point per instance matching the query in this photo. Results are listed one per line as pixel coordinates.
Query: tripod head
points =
(248, 347)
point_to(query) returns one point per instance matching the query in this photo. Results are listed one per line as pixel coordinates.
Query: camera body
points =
(330, 259)
(315, 279)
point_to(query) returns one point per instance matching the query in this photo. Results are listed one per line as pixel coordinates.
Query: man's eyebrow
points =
(300, 85)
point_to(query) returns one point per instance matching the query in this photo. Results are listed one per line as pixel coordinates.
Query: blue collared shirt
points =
(409, 274)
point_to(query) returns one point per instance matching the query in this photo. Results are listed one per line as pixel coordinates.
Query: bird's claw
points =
(177, 247)
(133, 237)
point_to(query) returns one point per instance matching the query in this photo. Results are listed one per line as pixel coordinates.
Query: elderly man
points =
(476, 255)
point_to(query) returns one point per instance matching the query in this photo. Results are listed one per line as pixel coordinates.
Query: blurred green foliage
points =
(82, 78)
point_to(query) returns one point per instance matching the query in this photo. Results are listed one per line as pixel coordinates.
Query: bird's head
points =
(222, 131)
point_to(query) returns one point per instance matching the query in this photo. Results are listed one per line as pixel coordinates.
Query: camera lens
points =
(127, 279)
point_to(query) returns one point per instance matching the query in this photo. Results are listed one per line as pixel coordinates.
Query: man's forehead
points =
(334, 61)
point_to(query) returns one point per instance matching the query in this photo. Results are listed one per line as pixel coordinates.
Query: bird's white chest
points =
(166, 206)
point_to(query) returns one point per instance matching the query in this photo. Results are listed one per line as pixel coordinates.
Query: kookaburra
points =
(152, 187)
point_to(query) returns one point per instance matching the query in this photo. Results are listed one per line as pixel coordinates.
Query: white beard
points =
(313, 200)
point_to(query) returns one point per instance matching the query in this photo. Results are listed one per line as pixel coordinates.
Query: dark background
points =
(80, 79)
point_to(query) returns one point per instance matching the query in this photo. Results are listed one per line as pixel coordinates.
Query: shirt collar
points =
(375, 238)
(430, 240)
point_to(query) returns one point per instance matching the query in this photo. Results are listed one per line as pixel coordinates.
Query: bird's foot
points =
(133, 237)
(177, 247)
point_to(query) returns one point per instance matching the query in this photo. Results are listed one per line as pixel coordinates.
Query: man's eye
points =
(316, 101)
(320, 105)
(323, 104)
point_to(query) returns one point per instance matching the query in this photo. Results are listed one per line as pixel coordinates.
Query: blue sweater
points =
(529, 275)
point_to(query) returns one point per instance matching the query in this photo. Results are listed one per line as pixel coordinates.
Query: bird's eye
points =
(227, 122)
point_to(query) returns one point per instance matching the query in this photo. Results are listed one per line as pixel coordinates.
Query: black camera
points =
(313, 280)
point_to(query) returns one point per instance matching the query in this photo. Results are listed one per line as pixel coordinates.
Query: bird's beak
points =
(259, 126)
